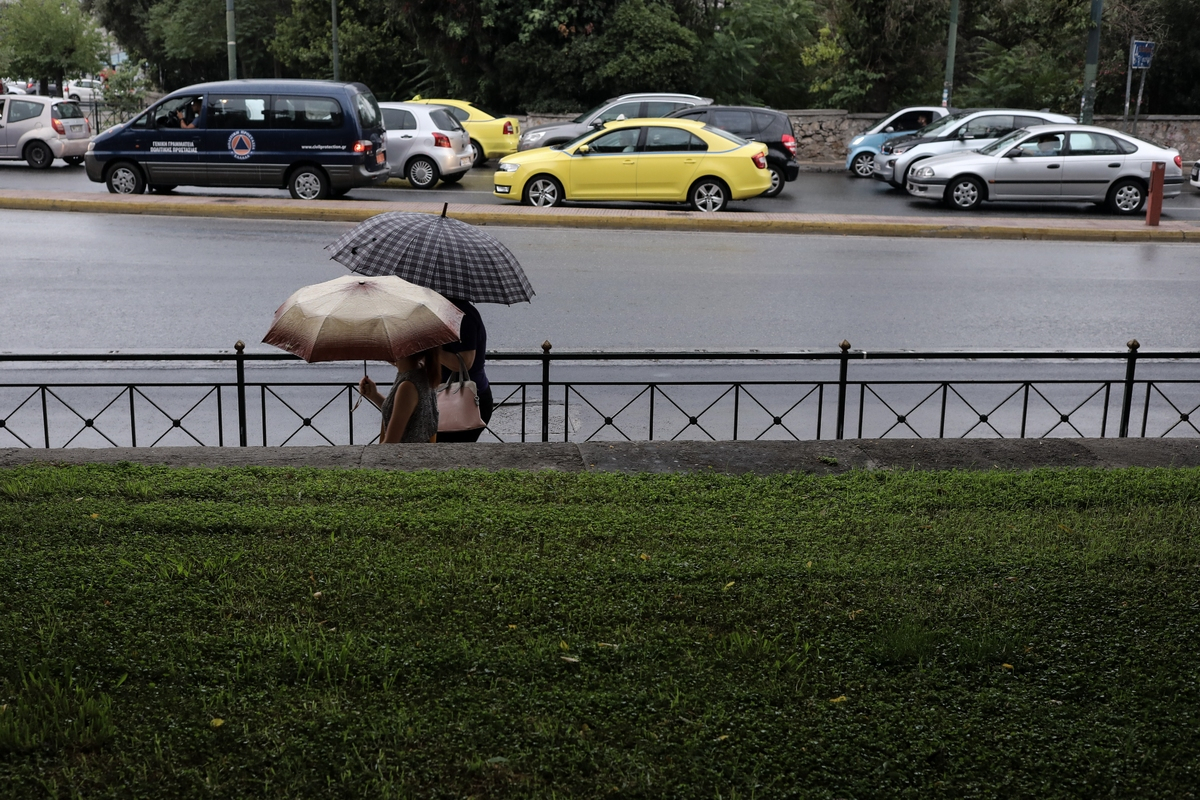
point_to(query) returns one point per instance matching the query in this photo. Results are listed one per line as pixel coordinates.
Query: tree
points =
(50, 39)
(754, 52)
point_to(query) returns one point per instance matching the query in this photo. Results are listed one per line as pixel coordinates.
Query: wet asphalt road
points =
(83, 281)
(813, 193)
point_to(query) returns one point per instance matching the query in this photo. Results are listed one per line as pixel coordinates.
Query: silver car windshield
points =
(937, 126)
(582, 118)
(1003, 143)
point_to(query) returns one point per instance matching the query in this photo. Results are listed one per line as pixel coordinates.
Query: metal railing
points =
(850, 398)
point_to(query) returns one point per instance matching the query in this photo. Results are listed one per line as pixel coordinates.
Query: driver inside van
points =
(191, 113)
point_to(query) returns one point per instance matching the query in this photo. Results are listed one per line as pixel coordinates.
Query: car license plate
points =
(464, 160)
(76, 128)
(380, 157)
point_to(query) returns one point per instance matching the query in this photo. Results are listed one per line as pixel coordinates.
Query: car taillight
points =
(508, 128)
(363, 146)
(89, 124)
(789, 142)
(760, 160)
(58, 126)
(1179, 161)
(441, 140)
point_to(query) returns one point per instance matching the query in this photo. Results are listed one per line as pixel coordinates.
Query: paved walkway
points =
(762, 458)
(966, 226)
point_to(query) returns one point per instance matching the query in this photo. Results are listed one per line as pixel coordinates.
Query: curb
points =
(518, 216)
(825, 457)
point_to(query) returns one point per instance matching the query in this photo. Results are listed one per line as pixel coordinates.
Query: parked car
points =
(627, 106)
(426, 144)
(772, 128)
(12, 87)
(1196, 175)
(1050, 163)
(34, 86)
(492, 136)
(41, 129)
(316, 139)
(967, 130)
(862, 149)
(652, 160)
(84, 90)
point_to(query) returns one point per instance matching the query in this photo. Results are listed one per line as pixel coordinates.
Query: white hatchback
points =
(40, 129)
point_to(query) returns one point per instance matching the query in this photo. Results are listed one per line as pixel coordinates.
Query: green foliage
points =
(642, 48)
(49, 39)
(755, 53)
(304, 633)
(1021, 76)
(837, 79)
(126, 88)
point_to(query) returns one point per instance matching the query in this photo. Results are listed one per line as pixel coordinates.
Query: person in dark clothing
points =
(471, 345)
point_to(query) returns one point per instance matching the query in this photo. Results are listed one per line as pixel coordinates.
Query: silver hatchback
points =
(1050, 163)
(41, 129)
(426, 144)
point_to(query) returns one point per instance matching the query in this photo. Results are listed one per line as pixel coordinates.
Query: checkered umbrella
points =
(446, 255)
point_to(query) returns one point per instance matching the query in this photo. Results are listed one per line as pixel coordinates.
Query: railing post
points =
(1127, 397)
(546, 391)
(240, 347)
(841, 412)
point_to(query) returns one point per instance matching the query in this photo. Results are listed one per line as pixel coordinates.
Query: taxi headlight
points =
(923, 172)
(508, 167)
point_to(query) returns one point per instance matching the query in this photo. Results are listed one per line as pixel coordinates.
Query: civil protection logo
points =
(241, 144)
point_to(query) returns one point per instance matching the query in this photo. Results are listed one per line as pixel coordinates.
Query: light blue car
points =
(861, 152)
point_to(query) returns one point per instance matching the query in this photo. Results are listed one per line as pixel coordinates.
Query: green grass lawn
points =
(280, 633)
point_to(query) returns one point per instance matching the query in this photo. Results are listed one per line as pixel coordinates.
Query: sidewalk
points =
(972, 226)
(761, 458)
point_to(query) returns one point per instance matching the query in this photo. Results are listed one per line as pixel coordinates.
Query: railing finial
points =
(240, 346)
(1133, 344)
(845, 345)
(546, 346)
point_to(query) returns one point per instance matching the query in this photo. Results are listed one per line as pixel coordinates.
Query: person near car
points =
(410, 412)
(471, 345)
(188, 117)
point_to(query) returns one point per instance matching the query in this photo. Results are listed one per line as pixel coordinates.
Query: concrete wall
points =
(822, 134)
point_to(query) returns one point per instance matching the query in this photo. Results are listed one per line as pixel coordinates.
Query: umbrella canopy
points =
(443, 254)
(351, 318)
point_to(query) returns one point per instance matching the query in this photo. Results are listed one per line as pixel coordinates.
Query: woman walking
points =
(410, 409)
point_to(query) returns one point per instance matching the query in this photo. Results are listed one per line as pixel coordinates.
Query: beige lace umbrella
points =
(355, 317)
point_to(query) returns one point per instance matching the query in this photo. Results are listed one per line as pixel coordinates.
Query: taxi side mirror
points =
(583, 150)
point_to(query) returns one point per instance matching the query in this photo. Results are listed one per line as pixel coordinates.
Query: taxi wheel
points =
(480, 156)
(308, 183)
(964, 193)
(543, 192)
(38, 155)
(74, 161)
(708, 195)
(125, 179)
(863, 165)
(422, 173)
(1126, 197)
(777, 181)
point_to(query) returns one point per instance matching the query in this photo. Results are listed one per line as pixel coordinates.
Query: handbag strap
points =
(461, 373)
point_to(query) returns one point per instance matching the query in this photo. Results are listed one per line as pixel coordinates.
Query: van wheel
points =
(125, 179)
(38, 155)
(1126, 197)
(308, 183)
(480, 156)
(422, 173)
(863, 165)
(74, 161)
(777, 181)
(708, 195)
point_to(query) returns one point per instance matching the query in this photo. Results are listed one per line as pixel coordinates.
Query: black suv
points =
(772, 128)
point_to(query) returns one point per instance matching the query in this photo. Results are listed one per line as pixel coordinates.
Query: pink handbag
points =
(458, 402)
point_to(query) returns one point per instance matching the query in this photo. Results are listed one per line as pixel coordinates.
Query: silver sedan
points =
(1050, 163)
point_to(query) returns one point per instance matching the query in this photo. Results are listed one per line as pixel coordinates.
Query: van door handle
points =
(1053, 166)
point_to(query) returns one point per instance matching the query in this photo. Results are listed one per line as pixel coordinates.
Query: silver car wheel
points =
(708, 197)
(1127, 198)
(124, 181)
(543, 193)
(965, 194)
(421, 173)
(863, 165)
(308, 186)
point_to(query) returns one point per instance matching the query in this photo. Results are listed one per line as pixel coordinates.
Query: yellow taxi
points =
(491, 136)
(640, 160)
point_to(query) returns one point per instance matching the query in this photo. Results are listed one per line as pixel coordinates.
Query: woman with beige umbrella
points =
(382, 319)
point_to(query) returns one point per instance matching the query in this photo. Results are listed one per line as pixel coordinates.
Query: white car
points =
(40, 129)
(1050, 163)
(967, 130)
(85, 90)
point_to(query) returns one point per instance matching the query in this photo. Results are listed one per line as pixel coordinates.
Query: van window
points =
(231, 112)
(306, 113)
(368, 110)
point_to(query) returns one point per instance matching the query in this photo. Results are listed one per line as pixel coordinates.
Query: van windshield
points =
(368, 111)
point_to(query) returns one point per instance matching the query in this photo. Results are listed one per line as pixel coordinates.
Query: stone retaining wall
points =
(822, 134)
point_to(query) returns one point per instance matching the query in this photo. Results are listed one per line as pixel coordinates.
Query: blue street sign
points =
(1139, 57)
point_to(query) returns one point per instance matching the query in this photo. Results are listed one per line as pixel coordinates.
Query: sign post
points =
(1140, 55)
